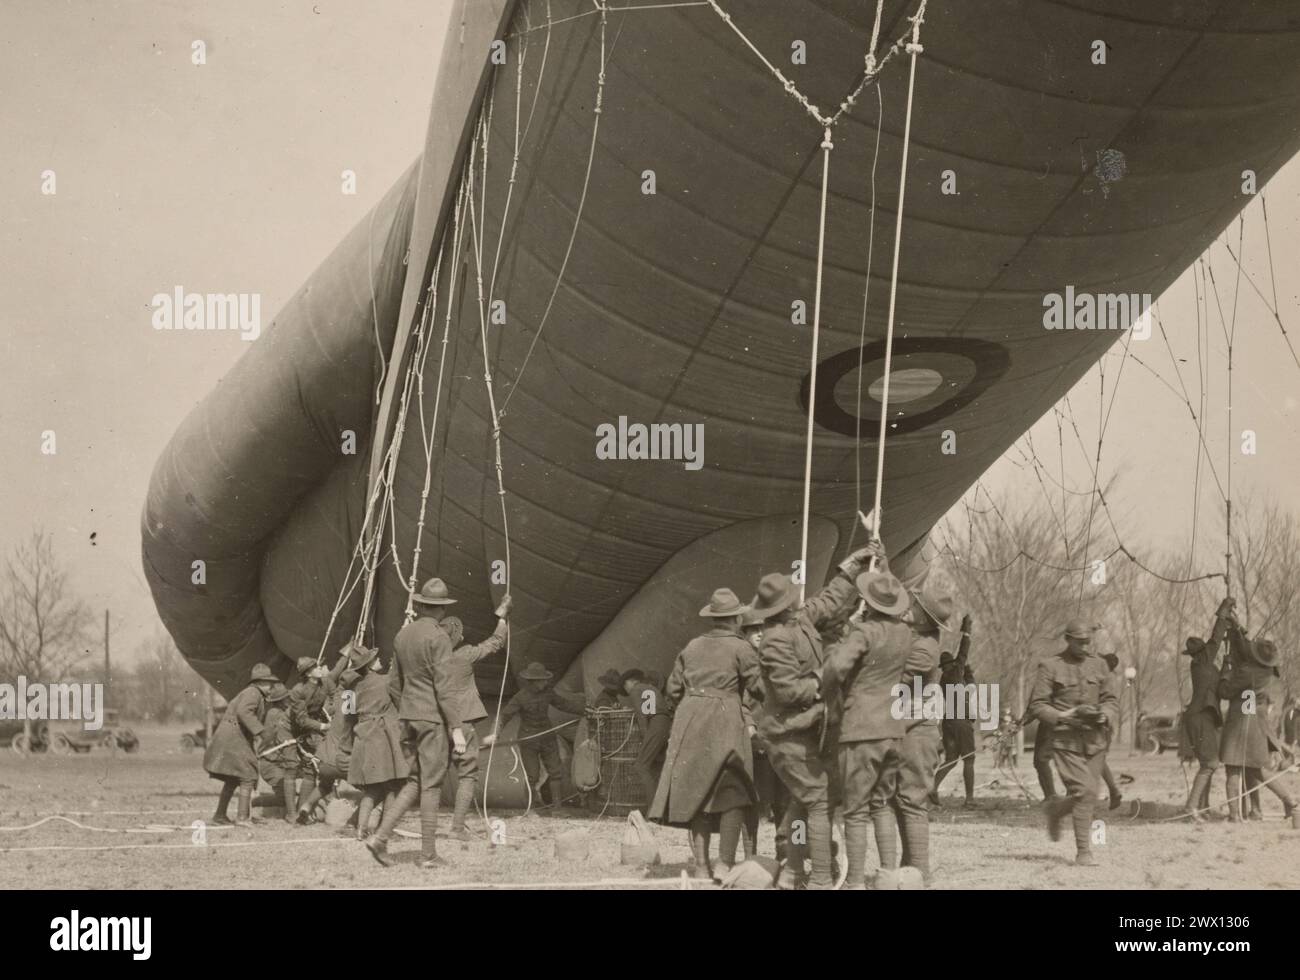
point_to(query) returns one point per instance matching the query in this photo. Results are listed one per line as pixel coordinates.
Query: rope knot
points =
(914, 47)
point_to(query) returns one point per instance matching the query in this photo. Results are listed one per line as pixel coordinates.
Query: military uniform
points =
(230, 757)
(1247, 681)
(278, 763)
(333, 755)
(1068, 681)
(958, 733)
(535, 749)
(419, 645)
(654, 719)
(462, 708)
(1202, 721)
(861, 674)
(793, 718)
(918, 757)
(230, 754)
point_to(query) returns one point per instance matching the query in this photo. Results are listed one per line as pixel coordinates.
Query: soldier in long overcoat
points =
(230, 756)
(378, 765)
(1248, 682)
(708, 769)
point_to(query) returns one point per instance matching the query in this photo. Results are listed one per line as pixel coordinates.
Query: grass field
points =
(145, 802)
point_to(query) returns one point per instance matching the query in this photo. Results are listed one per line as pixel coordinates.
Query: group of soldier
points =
(813, 686)
(804, 693)
(393, 736)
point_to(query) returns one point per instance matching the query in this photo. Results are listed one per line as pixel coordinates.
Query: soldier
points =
(230, 757)
(1112, 787)
(538, 745)
(791, 657)
(1202, 719)
(1042, 756)
(1075, 694)
(918, 752)
(1248, 682)
(462, 708)
(308, 717)
(278, 760)
(708, 769)
(334, 754)
(419, 645)
(858, 685)
(378, 763)
(1006, 742)
(958, 733)
(654, 718)
(611, 690)
(773, 797)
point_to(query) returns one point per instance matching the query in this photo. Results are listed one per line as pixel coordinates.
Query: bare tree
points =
(163, 685)
(43, 627)
(1265, 570)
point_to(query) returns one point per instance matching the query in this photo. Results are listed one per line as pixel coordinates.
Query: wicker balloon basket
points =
(616, 733)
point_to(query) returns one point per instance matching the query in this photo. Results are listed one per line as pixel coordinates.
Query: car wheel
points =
(61, 745)
(20, 744)
(188, 744)
(1153, 745)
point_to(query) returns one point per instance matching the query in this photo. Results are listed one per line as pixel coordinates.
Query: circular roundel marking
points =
(932, 377)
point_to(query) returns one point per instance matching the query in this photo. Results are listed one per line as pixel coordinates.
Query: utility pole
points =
(107, 666)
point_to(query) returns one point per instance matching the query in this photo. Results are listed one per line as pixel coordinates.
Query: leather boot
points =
(378, 844)
(729, 826)
(857, 835)
(1200, 788)
(1055, 809)
(905, 851)
(886, 837)
(749, 833)
(794, 831)
(223, 803)
(916, 834)
(244, 808)
(819, 846)
(308, 805)
(465, 789)
(1234, 791)
(290, 794)
(364, 811)
(1045, 781)
(429, 800)
(699, 831)
(1083, 833)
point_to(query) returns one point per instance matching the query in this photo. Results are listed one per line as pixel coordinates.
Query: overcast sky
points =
(225, 177)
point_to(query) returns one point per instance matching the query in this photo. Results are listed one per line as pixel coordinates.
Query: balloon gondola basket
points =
(616, 733)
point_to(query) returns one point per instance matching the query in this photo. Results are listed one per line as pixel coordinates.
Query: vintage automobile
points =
(1159, 732)
(198, 739)
(112, 737)
(11, 734)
